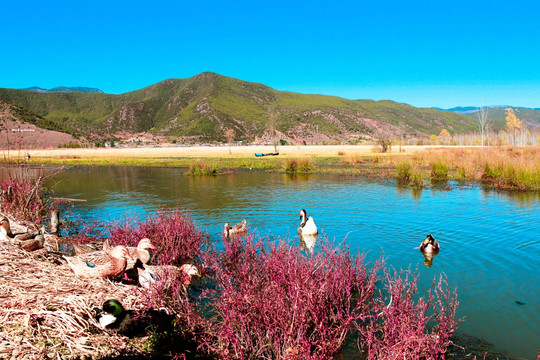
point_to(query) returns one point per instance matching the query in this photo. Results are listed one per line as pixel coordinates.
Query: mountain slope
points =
(205, 106)
(20, 128)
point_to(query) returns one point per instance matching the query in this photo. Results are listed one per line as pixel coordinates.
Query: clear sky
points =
(424, 53)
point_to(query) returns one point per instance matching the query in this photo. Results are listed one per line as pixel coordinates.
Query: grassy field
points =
(508, 168)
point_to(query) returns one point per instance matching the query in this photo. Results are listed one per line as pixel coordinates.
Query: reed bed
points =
(504, 168)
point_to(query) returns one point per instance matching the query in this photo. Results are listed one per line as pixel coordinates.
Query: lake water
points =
(490, 241)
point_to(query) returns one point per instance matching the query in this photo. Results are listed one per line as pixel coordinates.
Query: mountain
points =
(28, 130)
(470, 109)
(497, 114)
(64, 89)
(204, 107)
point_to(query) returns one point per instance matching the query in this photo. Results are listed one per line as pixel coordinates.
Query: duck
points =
(235, 230)
(150, 275)
(114, 317)
(430, 245)
(32, 244)
(100, 264)
(5, 229)
(79, 249)
(307, 226)
(141, 252)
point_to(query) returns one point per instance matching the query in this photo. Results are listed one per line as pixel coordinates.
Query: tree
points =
(434, 139)
(383, 140)
(272, 121)
(229, 134)
(513, 124)
(445, 136)
(483, 122)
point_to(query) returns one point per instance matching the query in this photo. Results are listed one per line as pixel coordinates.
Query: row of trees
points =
(517, 132)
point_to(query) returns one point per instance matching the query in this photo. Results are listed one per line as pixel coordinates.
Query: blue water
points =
(490, 241)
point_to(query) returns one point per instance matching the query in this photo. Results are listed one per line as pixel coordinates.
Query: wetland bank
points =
(487, 237)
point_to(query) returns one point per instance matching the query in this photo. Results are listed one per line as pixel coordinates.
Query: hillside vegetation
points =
(203, 107)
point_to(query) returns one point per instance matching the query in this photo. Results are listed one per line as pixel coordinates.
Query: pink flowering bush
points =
(175, 236)
(23, 200)
(277, 302)
(401, 327)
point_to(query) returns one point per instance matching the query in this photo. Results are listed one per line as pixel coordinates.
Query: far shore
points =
(207, 151)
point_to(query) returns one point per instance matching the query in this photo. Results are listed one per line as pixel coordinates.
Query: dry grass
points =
(505, 168)
(99, 154)
(46, 311)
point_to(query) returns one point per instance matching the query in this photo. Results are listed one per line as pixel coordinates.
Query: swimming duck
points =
(307, 226)
(235, 230)
(100, 264)
(113, 316)
(164, 275)
(429, 245)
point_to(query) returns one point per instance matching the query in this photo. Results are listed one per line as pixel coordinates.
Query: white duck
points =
(307, 226)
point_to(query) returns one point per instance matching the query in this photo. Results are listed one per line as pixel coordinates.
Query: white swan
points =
(307, 226)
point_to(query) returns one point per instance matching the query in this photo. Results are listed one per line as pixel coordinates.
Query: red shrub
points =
(172, 232)
(278, 302)
(23, 200)
(399, 328)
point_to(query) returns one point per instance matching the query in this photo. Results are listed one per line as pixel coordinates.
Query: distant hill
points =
(64, 89)
(497, 113)
(203, 107)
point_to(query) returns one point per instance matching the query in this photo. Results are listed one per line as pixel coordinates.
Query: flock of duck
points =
(308, 234)
(135, 262)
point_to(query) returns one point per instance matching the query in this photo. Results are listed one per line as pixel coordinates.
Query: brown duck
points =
(100, 264)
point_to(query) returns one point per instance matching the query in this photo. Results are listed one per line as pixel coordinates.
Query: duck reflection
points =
(428, 258)
(307, 242)
(430, 248)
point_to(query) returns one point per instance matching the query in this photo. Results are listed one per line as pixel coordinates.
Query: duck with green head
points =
(114, 317)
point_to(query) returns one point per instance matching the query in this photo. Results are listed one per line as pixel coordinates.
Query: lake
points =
(490, 241)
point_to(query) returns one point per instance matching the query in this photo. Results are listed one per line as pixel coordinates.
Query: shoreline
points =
(244, 151)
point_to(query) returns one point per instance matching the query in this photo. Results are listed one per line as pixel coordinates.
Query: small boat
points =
(267, 154)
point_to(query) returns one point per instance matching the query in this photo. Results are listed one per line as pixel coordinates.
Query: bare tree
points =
(383, 140)
(229, 134)
(484, 123)
(272, 120)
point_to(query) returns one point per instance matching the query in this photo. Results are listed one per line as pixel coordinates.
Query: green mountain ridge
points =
(204, 107)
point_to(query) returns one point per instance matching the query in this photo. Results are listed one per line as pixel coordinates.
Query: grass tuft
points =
(203, 169)
(299, 166)
(406, 174)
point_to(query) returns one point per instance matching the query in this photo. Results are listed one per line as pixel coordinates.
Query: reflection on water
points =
(428, 258)
(307, 242)
(489, 239)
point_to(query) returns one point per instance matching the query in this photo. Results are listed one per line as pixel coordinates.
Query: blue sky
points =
(424, 53)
